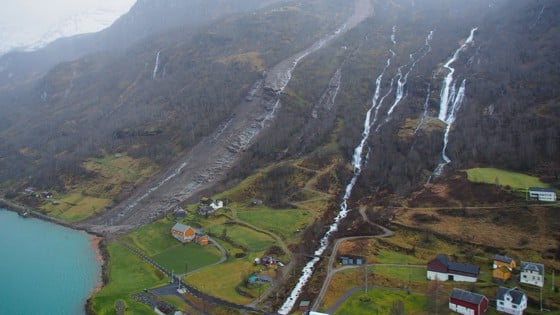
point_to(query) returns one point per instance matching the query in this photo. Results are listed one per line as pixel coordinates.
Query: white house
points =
(532, 273)
(511, 301)
(542, 194)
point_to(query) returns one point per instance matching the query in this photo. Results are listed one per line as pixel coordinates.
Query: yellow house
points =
(183, 233)
(502, 268)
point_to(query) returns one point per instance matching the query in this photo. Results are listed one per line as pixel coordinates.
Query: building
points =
(502, 268)
(467, 303)
(511, 301)
(304, 306)
(183, 233)
(180, 213)
(542, 194)
(201, 239)
(532, 273)
(440, 268)
(212, 207)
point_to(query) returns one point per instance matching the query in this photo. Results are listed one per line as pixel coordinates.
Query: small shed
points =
(542, 194)
(304, 305)
(201, 239)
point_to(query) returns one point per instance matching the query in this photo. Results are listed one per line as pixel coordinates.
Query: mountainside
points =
(447, 85)
(340, 111)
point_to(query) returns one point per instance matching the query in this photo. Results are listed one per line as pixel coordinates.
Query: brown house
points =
(183, 233)
(201, 239)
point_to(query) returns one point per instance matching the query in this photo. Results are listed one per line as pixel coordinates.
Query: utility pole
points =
(365, 272)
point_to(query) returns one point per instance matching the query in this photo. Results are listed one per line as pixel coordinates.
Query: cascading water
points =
(448, 90)
(424, 108)
(156, 66)
(402, 79)
(538, 17)
(449, 95)
(357, 162)
(394, 35)
(449, 121)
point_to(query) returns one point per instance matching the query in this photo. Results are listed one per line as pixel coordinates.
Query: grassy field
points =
(516, 181)
(128, 274)
(404, 273)
(156, 241)
(254, 241)
(381, 301)
(183, 258)
(75, 206)
(284, 223)
(109, 176)
(221, 280)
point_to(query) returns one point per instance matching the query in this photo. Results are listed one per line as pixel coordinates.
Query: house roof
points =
(541, 189)
(467, 296)
(532, 267)
(180, 227)
(503, 258)
(515, 293)
(458, 267)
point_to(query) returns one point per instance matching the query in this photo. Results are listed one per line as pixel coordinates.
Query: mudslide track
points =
(209, 161)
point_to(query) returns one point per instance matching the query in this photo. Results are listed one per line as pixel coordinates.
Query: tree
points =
(434, 295)
(397, 308)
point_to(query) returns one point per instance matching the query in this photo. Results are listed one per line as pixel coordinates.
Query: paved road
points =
(330, 270)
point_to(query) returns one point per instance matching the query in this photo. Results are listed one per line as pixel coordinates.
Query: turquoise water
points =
(44, 268)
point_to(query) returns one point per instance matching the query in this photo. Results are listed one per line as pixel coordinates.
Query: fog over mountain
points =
(30, 24)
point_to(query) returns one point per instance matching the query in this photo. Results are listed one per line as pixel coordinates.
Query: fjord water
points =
(44, 268)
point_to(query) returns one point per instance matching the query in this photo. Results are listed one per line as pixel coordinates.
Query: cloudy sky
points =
(32, 22)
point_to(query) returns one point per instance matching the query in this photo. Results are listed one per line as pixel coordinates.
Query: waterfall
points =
(156, 66)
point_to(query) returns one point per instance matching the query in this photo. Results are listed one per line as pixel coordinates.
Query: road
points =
(190, 289)
(331, 271)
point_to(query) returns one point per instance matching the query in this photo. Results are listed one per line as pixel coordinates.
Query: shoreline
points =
(97, 242)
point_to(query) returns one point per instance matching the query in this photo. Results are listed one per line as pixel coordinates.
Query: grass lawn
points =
(153, 238)
(183, 257)
(128, 274)
(401, 272)
(516, 181)
(381, 301)
(284, 223)
(75, 206)
(221, 280)
(251, 239)
(390, 257)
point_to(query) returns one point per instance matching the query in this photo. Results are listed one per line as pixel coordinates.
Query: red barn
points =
(468, 303)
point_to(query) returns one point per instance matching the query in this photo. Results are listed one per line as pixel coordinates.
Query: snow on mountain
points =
(28, 36)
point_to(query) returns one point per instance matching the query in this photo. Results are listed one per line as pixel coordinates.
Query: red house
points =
(467, 303)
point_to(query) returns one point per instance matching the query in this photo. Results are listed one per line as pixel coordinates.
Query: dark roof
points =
(541, 189)
(531, 266)
(443, 259)
(464, 268)
(467, 296)
(503, 258)
(458, 267)
(515, 293)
